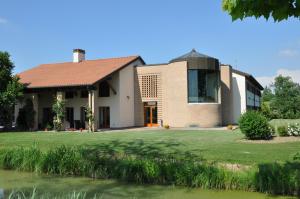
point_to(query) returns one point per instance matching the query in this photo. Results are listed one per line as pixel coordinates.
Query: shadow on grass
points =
(143, 149)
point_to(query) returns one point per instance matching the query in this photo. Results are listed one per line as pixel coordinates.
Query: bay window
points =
(203, 86)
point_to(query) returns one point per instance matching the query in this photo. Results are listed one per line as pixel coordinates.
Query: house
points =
(193, 90)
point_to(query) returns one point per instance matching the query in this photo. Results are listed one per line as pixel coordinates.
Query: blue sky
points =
(36, 32)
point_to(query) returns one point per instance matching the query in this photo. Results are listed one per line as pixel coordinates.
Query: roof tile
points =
(72, 74)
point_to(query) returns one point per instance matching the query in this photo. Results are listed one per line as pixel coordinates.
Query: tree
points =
(11, 90)
(59, 110)
(25, 120)
(286, 98)
(278, 9)
(91, 118)
(267, 94)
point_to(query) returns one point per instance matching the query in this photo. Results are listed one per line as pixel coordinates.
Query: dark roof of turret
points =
(191, 55)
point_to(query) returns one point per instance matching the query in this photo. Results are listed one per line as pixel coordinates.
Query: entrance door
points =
(82, 117)
(70, 116)
(150, 115)
(47, 117)
(104, 117)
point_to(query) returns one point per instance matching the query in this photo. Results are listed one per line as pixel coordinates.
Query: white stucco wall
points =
(238, 95)
(126, 99)
(112, 102)
(121, 104)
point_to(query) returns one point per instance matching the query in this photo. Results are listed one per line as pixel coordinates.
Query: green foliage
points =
(271, 178)
(266, 111)
(286, 98)
(296, 156)
(138, 169)
(267, 94)
(255, 126)
(283, 100)
(58, 108)
(18, 194)
(282, 131)
(10, 90)
(25, 159)
(276, 178)
(278, 9)
(25, 120)
(62, 160)
(90, 117)
(294, 129)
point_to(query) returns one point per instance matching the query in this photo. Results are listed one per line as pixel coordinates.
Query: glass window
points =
(203, 85)
(104, 89)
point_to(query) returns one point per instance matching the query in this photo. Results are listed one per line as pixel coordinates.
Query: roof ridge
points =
(133, 56)
(70, 62)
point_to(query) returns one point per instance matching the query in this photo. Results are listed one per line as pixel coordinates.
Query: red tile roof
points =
(73, 74)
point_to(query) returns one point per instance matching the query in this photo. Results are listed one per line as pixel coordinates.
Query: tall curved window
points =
(203, 85)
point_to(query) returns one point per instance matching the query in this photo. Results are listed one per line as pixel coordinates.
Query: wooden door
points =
(104, 117)
(150, 116)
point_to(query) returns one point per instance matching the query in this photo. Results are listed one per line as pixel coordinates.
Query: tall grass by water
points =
(19, 194)
(78, 161)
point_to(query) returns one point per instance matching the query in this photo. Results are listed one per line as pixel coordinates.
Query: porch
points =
(76, 100)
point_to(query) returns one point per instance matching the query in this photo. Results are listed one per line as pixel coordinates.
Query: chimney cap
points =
(78, 50)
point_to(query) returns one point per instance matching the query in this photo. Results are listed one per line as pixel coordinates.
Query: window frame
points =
(107, 92)
(217, 100)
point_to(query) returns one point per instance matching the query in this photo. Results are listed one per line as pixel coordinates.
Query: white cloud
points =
(288, 53)
(267, 80)
(3, 21)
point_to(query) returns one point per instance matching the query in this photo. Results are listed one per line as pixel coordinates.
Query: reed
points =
(269, 178)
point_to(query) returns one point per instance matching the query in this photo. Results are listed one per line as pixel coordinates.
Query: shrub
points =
(25, 119)
(229, 127)
(62, 160)
(282, 131)
(166, 126)
(276, 178)
(255, 126)
(26, 159)
(296, 156)
(294, 129)
(58, 108)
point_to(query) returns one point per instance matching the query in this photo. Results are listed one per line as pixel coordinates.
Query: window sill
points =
(203, 103)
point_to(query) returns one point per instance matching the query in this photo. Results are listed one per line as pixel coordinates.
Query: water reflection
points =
(1, 193)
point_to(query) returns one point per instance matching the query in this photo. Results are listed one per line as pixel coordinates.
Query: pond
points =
(13, 180)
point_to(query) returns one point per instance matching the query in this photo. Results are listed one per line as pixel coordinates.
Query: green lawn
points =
(221, 146)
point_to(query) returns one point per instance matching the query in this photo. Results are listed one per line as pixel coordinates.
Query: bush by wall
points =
(294, 129)
(255, 126)
(282, 131)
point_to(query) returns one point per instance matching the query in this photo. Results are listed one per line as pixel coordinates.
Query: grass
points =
(221, 146)
(19, 194)
(272, 178)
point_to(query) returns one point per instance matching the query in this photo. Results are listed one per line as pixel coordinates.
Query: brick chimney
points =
(78, 55)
